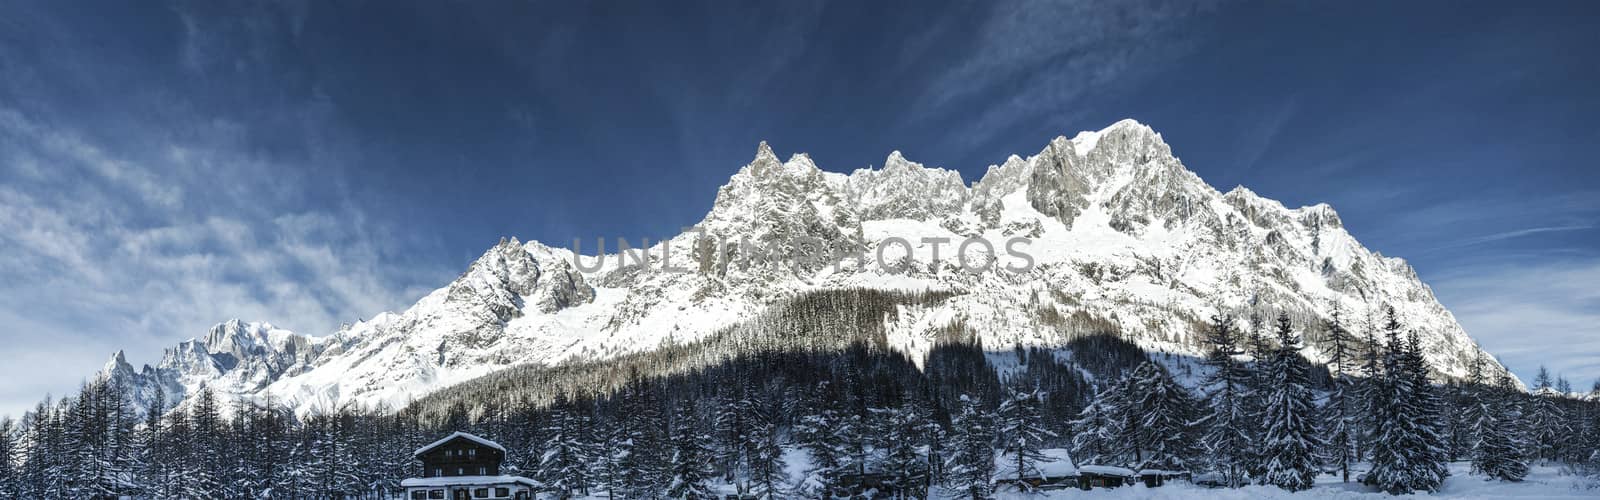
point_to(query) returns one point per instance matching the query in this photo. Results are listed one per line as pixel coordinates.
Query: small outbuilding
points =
(1104, 476)
(1057, 472)
(1157, 477)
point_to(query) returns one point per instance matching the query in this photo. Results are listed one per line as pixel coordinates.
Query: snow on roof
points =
(457, 434)
(1060, 465)
(1159, 472)
(1106, 470)
(424, 482)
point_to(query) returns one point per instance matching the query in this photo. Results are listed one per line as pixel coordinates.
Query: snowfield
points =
(1543, 482)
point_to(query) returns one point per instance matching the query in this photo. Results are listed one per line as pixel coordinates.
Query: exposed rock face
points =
(1123, 239)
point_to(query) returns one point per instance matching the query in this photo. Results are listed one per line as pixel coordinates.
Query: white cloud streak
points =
(106, 249)
(1532, 314)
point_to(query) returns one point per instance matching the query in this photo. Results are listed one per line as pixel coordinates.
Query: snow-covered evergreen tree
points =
(1548, 423)
(1542, 380)
(730, 435)
(564, 466)
(1097, 432)
(1163, 436)
(1340, 424)
(1498, 450)
(646, 448)
(1291, 442)
(1022, 434)
(10, 482)
(901, 432)
(1227, 440)
(205, 475)
(1407, 451)
(690, 456)
(971, 465)
(765, 451)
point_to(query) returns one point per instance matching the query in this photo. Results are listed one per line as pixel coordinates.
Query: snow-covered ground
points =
(1543, 482)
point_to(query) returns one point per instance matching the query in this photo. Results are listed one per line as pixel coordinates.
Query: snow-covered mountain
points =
(1121, 236)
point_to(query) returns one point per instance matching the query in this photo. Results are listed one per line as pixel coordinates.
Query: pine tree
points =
(1542, 380)
(1291, 441)
(690, 475)
(732, 434)
(205, 477)
(765, 451)
(1254, 401)
(1226, 424)
(823, 434)
(1097, 431)
(10, 482)
(1022, 433)
(1407, 452)
(972, 464)
(902, 430)
(1341, 426)
(644, 450)
(1498, 451)
(612, 457)
(154, 449)
(1548, 422)
(563, 468)
(1162, 437)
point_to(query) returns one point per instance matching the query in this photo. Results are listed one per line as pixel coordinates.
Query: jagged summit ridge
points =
(1123, 235)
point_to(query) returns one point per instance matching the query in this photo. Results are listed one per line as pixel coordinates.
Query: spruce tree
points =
(1341, 425)
(1542, 380)
(1097, 433)
(1407, 452)
(205, 478)
(1162, 437)
(1548, 423)
(1498, 450)
(688, 465)
(1291, 442)
(1022, 433)
(972, 463)
(1227, 440)
(564, 466)
(902, 431)
(765, 451)
(10, 483)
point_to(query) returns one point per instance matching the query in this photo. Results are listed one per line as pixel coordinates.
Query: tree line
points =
(959, 421)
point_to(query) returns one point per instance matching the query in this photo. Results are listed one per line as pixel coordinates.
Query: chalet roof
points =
(459, 434)
(1059, 465)
(416, 482)
(1106, 470)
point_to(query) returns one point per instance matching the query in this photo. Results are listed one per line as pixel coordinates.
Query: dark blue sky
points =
(166, 167)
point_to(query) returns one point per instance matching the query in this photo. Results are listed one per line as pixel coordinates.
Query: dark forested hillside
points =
(814, 382)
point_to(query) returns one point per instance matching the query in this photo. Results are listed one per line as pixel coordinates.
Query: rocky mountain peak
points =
(1125, 237)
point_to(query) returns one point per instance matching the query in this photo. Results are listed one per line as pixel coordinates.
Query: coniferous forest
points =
(774, 416)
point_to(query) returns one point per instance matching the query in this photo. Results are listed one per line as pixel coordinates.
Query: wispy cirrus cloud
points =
(1532, 314)
(1045, 58)
(134, 250)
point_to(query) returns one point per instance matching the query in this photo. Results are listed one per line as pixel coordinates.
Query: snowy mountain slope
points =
(1121, 236)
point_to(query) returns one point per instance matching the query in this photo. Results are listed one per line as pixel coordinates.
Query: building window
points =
(502, 492)
(436, 494)
(461, 471)
(438, 472)
(483, 471)
(472, 452)
(419, 495)
(480, 493)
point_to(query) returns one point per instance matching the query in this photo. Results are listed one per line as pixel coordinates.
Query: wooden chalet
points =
(465, 467)
(1055, 473)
